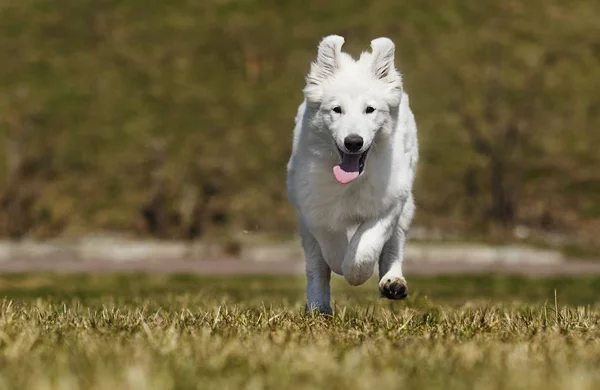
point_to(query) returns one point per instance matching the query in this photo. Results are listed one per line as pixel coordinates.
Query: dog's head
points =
(356, 102)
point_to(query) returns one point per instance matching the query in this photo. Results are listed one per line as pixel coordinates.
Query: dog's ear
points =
(325, 66)
(383, 50)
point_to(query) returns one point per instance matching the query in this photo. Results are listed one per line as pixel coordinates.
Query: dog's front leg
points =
(392, 284)
(318, 275)
(365, 247)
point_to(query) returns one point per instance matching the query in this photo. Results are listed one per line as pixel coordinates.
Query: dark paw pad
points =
(393, 289)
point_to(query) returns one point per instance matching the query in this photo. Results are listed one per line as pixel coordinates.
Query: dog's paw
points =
(318, 309)
(393, 288)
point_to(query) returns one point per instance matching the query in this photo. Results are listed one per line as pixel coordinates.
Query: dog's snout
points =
(353, 143)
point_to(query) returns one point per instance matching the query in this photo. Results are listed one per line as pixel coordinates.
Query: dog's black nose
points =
(353, 143)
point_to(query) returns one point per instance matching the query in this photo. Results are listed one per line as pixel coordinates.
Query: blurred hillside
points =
(174, 119)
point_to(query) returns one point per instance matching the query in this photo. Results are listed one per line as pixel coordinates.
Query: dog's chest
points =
(340, 208)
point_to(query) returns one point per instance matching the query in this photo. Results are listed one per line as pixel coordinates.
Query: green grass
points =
(185, 332)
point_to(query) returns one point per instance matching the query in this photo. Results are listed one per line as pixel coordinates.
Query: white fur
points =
(349, 228)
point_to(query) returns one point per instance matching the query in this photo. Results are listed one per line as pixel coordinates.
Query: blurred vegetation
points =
(174, 119)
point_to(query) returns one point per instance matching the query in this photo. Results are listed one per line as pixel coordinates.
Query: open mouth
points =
(351, 167)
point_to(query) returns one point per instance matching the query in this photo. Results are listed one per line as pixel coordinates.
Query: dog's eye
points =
(369, 110)
(337, 109)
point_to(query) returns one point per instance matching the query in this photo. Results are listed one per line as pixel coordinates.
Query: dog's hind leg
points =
(318, 275)
(392, 284)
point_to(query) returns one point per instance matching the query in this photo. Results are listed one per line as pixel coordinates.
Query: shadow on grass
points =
(284, 290)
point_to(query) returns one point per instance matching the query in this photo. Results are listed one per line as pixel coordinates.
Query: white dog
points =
(352, 168)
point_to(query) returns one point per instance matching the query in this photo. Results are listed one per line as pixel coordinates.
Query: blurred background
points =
(173, 120)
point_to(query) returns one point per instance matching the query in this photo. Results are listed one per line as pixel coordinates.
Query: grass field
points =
(185, 332)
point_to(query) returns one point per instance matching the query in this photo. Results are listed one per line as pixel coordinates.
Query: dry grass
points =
(140, 332)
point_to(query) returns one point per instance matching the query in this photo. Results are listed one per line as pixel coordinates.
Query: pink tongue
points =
(348, 170)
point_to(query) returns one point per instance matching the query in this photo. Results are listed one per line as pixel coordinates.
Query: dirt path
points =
(242, 267)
